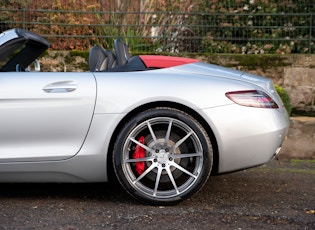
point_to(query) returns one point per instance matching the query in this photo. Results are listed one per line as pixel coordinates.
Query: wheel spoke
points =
(186, 155)
(183, 170)
(168, 133)
(138, 159)
(152, 133)
(181, 141)
(145, 173)
(170, 175)
(141, 145)
(158, 177)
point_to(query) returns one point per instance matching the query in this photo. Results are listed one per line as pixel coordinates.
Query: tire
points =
(162, 156)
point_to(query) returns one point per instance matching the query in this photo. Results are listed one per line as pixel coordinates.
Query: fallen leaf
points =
(311, 211)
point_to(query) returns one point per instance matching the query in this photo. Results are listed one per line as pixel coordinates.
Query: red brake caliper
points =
(139, 153)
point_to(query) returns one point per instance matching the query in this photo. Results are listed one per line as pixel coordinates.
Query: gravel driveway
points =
(279, 195)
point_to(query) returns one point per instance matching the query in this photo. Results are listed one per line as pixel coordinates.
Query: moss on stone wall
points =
(249, 61)
(285, 98)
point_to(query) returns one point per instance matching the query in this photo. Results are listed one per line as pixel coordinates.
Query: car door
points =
(44, 116)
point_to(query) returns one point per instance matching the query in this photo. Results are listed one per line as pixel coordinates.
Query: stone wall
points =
(300, 141)
(63, 61)
(299, 81)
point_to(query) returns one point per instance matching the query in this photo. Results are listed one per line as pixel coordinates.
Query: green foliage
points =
(84, 54)
(257, 26)
(285, 98)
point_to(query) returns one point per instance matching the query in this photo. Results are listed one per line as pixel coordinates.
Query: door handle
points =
(61, 87)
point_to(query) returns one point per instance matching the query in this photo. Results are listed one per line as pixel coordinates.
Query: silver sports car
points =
(160, 124)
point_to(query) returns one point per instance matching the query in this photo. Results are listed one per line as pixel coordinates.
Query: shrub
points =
(285, 98)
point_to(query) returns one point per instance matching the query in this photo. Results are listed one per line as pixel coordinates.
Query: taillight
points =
(252, 98)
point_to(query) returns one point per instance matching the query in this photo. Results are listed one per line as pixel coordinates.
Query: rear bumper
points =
(247, 137)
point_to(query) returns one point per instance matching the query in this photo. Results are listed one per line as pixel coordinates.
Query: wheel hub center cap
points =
(162, 157)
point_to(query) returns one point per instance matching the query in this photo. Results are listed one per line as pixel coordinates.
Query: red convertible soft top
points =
(152, 61)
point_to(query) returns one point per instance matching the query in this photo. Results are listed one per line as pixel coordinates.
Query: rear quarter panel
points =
(122, 92)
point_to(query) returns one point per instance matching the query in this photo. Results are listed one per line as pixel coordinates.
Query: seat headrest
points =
(122, 52)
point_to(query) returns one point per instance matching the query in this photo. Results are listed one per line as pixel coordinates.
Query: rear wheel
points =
(162, 156)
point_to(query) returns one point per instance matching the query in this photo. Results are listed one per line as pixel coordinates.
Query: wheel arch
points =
(168, 104)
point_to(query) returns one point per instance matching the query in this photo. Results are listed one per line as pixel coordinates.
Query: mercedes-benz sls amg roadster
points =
(160, 124)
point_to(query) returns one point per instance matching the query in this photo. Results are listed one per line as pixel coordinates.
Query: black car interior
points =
(101, 60)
